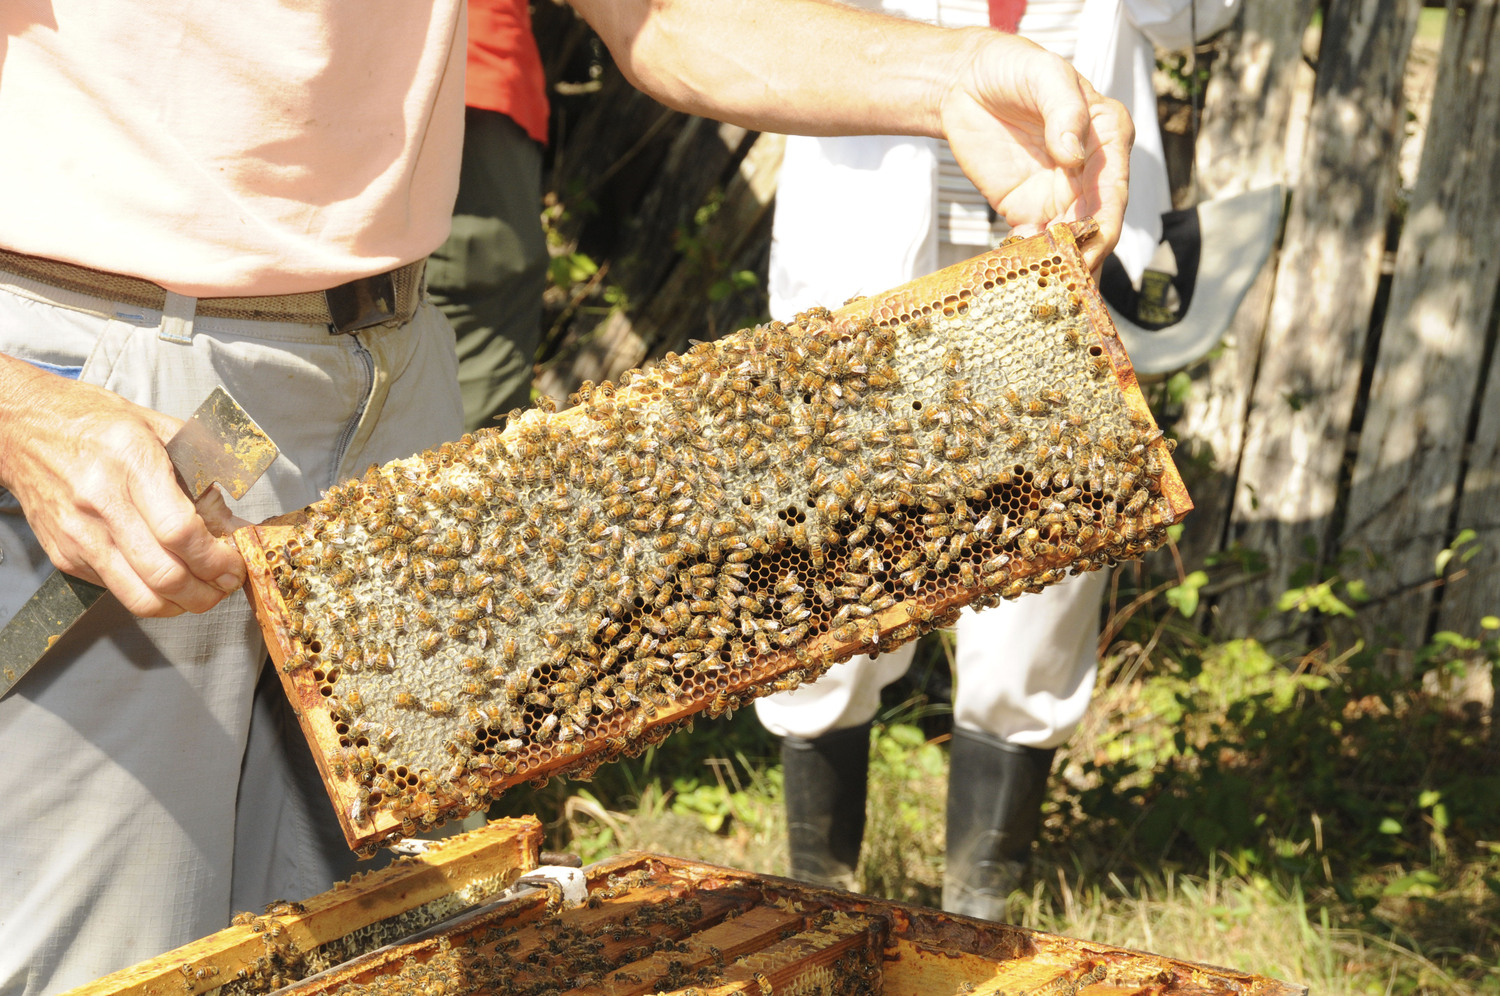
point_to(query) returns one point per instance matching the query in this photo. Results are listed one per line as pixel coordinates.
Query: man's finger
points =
(1065, 114)
(169, 545)
(216, 513)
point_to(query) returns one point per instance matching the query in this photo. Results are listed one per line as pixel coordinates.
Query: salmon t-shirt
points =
(225, 149)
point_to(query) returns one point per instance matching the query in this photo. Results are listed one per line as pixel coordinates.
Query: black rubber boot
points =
(824, 781)
(995, 792)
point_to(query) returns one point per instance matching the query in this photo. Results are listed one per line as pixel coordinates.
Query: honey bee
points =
(548, 727)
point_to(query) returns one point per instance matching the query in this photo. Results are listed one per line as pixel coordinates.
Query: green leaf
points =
(1184, 596)
(1357, 591)
(1179, 387)
(1429, 798)
(1418, 884)
(1389, 826)
(1490, 622)
(1457, 641)
(1314, 598)
(1464, 538)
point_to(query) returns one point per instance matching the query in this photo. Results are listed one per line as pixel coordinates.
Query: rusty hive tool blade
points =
(218, 443)
(533, 602)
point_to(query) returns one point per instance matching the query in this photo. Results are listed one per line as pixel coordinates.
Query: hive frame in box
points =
(659, 924)
(1067, 486)
(260, 953)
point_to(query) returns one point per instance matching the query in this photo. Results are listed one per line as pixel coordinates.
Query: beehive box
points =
(655, 924)
(534, 601)
(259, 953)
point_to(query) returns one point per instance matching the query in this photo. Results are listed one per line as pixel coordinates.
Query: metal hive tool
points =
(535, 601)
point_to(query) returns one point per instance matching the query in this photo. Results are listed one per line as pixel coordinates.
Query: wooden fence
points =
(1349, 427)
(1349, 422)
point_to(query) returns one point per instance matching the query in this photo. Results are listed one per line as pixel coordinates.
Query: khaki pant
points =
(147, 791)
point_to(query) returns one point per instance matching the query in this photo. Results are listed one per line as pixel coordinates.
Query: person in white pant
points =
(899, 208)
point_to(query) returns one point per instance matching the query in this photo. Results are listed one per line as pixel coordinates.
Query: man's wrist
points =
(18, 395)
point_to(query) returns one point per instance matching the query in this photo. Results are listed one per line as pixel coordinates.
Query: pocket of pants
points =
(50, 338)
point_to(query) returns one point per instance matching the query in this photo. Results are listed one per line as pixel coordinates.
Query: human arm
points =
(99, 492)
(1030, 132)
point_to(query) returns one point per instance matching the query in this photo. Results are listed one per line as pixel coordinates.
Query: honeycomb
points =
(724, 524)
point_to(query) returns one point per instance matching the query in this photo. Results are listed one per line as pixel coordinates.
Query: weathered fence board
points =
(1249, 98)
(629, 178)
(739, 221)
(1474, 38)
(1422, 394)
(1325, 286)
(739, 229)
(1242, 147)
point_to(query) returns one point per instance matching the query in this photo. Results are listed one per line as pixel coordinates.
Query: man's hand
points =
(1037, 140)
(98, 489)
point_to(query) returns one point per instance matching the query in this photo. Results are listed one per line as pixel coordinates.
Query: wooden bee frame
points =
(657, 924)
(260, 953)
(533, 602)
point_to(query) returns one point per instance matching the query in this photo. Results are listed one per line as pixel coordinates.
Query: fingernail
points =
(229, 583)
(1072, 146)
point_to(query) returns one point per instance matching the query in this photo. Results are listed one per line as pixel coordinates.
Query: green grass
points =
(1430, 24)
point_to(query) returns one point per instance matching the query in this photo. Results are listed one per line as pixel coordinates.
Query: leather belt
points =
(383, 299)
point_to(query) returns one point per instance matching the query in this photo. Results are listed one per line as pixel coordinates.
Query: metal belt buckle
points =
(361, 303)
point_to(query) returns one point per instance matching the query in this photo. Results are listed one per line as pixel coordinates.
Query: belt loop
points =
(177, 319)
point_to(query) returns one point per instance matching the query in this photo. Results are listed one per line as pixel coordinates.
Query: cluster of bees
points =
(724, 524)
